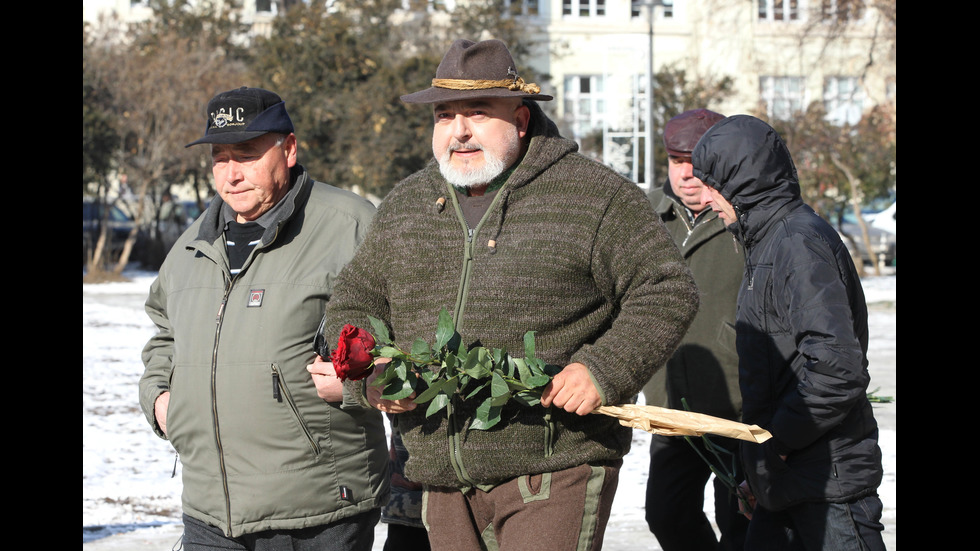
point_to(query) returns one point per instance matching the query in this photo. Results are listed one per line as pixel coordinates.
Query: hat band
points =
(462, 84)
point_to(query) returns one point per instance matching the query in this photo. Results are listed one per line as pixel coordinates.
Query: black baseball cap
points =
(239, 115)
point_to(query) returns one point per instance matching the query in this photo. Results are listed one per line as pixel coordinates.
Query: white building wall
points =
(709, 39)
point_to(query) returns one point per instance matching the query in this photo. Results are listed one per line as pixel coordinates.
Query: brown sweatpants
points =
(560, 511)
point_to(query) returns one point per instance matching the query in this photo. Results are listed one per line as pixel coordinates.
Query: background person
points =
(704, 369)
(403, 512)
(802, 340)
(266, 463)
(511, 229)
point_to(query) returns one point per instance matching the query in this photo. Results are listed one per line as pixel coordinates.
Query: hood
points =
(748, 162)
(545, 147)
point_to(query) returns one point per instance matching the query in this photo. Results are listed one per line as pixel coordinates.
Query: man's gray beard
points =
(493, 166)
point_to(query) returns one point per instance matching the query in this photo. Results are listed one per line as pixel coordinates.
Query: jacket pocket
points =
(767, 475)
(726, 338)
(280, 393)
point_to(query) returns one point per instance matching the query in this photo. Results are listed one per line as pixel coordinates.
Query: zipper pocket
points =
(279, 391)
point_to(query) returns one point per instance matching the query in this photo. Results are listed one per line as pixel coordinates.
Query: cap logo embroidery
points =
(222, 119)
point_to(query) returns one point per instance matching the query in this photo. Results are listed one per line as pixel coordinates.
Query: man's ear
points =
(290, 147)
(522, 118)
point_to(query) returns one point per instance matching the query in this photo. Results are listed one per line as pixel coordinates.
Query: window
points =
(779, 10)
(584, 105)
(783, 96)
(583, 8)
(520, 7)
(842, 98)
(264, 6)
(841, 11)
(637, 8)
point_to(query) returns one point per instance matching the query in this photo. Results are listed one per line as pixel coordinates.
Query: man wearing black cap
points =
(266, 463)
(702, 375)
(802, 340)
(511, 230)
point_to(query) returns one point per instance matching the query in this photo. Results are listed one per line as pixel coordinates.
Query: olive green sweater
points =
(568, 249)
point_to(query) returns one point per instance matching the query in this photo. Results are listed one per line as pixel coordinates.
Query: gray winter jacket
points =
(802, 327)
(569, 249)
(259, 449)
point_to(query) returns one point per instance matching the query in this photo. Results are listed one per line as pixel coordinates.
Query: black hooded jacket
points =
(802, 327)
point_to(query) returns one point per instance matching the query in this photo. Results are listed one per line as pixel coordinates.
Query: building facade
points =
(601, 56)
(782, 55)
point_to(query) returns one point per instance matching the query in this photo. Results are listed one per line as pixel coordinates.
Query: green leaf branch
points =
(722, 456)
(445, 370)
(873, 397)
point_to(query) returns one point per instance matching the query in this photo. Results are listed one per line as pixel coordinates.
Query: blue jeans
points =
(818, 526)
(350, 534)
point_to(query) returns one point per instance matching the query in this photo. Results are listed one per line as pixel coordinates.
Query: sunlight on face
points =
(712, 198)
(687, 188)
(477, 140)
(253, 176)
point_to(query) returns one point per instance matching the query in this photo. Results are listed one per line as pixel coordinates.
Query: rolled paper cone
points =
(672, 422)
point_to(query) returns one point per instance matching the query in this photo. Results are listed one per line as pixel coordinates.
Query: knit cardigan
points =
(569, 249)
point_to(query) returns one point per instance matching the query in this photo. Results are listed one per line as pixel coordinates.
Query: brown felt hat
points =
(477, 70)
(682, 132)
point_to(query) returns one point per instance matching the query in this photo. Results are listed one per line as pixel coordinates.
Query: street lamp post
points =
(648, 166)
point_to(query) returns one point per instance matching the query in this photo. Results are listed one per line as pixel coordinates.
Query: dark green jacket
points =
(704, 370)
(259, 450)
(568, 249)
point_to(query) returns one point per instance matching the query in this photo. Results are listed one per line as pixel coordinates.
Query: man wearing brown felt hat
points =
(510, 229)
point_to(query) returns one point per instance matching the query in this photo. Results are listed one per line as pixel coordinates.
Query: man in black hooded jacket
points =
(802, 341)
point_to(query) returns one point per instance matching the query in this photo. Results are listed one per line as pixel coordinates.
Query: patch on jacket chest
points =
(255, 297)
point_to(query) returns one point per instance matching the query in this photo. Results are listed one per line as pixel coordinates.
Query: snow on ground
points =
(127, 470)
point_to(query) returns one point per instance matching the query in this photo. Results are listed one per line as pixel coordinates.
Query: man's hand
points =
(160, 407)
(328, 386)
(572, 390)
(374, 392)
(746, 503)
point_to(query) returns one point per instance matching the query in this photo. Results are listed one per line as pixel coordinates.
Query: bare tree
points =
(160, 79)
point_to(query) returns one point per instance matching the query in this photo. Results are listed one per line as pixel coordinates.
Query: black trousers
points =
(350, 534)
(675, 497)
(406, 538)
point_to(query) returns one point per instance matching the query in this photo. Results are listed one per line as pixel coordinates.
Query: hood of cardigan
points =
(545, 147)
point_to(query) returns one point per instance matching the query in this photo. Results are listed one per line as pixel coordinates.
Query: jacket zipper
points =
(452, 421)
(219, 318)
(214, 404)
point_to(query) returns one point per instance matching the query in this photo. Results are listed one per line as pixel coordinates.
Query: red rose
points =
(352, 358)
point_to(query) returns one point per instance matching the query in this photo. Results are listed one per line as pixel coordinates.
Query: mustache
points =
(457, 145)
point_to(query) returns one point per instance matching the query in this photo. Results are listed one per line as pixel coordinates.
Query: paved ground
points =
(627, 531)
